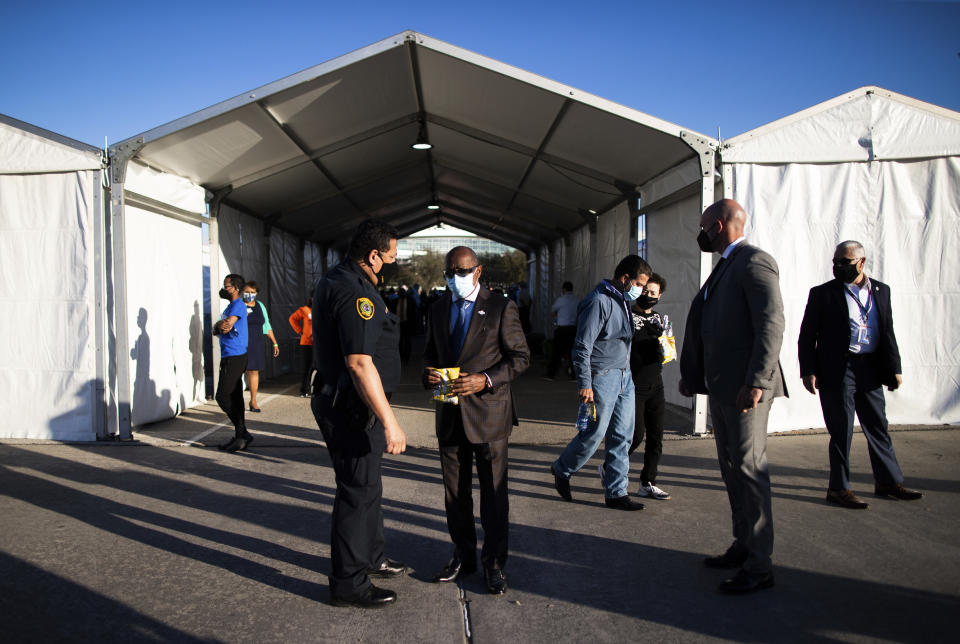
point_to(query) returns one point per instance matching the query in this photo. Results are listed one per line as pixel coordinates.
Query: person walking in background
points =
(481, 334)
(601, 360)
(731, 349)
(848, 351)
(646, 366)
(302, 323)
(258, 325)
(523, 305)
(232, 329)
(564, 313)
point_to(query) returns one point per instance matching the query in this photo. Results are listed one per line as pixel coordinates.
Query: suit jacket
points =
(494, 344)
(825, 335)
(733, 337)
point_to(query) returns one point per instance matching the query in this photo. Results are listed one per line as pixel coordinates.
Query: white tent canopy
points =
(290, 168)
(50, 233)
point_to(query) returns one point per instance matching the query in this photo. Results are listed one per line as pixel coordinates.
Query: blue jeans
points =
(613, 394)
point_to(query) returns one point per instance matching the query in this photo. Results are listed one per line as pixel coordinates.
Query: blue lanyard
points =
(864, 310)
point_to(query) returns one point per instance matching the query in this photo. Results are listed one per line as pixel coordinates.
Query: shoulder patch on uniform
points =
(364, 308)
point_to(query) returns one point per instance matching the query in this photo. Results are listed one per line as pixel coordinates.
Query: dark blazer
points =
(495, 344)
(733, 338)
(825, 335)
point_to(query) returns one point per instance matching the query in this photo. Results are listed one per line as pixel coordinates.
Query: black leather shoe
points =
(232, 445)
(388, 568)
(732, 558)
(847, 499)
(373, 598)
(496, 581)
(747, 582)
(623, 503)
(455, 568)
(562, 485)
(897, 492)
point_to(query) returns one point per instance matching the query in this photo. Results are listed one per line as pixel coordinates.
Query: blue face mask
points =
(249, 297)
(633, 293)
(460, 285)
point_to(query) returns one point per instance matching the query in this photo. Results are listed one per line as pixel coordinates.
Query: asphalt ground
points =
(167, 539)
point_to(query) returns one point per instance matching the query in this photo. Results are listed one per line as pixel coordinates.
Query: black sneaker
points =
(623, 503)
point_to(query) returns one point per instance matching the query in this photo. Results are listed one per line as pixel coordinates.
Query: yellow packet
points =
(442, 391)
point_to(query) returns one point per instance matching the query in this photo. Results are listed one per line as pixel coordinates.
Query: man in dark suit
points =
(848, 350)
(481, 334)
(731, 349)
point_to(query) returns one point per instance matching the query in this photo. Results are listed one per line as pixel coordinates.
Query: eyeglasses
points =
(845, 261)
(450, 272)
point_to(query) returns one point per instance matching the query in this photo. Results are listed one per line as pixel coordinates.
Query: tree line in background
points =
(426, 269)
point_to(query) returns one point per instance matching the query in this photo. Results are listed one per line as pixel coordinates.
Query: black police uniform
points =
(349, 317)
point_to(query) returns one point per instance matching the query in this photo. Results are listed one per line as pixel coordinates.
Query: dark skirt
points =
(255, 322)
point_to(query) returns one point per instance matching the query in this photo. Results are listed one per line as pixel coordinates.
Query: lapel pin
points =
(481, 312)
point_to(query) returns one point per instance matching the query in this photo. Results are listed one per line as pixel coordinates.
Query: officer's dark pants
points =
(648, 425)
(356, 535)
(860, 393)
(457, 455)
(230, 391)
(563, 337)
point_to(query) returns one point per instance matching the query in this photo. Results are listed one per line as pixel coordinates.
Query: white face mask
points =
(633, 293)
(461, 285)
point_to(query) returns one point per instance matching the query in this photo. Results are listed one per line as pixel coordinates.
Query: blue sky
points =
(89, 70)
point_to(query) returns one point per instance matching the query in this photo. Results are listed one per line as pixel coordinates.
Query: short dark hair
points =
(656, 278)
(633, 266)
(567, 286)
(372, 234)
(252, 285)
(236, 281)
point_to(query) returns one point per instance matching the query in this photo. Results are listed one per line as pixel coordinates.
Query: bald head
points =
(459, 253)
(723, 222)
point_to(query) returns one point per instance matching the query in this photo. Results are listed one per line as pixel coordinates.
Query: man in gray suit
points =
(731, 350)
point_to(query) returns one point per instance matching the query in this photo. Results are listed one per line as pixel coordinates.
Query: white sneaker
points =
(652, 492)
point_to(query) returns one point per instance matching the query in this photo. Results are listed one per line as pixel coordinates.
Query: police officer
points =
(358, 366)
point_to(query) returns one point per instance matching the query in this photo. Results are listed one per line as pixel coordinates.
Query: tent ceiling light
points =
(422, 143)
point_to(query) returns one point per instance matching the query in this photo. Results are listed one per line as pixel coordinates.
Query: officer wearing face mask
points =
(601, 361)
(357, 359)
(848, 351)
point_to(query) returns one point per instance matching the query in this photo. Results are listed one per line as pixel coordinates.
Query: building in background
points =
(442, 238)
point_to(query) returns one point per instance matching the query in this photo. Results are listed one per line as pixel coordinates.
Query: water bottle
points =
(667, 326)
(587, 413)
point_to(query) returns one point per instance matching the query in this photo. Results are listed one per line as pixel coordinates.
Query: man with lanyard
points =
(848, 351)
(601, 360)
(358, 367)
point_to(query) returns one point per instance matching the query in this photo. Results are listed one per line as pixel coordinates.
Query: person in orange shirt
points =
(302, 323)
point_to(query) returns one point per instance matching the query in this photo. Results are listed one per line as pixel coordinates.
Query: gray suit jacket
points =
(732, 338)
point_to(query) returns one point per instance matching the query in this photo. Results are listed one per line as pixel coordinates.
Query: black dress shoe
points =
(898, 492)
(562, 485)
(747, 582)
(623, 503)
(373, 598)
(232, 445)
(846, 499)
(388, 568)
(455, 568)
(496, 581)
(732, 558)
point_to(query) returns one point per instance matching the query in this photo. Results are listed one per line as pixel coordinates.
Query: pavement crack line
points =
(465, 613)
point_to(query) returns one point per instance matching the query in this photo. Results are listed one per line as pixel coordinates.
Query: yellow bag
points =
(442, 391)
(668, 344)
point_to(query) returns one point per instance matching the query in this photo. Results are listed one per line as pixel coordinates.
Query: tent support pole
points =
(119, 421)
(100, 396)
(706, 150)
(213, 241)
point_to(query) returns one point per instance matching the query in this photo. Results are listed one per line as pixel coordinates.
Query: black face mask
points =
(224, 294)
(388, 272)
(645, 302)
(846, 273)
(704, 242)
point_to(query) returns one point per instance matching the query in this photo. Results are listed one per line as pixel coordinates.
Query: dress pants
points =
(742, 451)
(356, 532)
(457, 455)
(563, 337)
(859, 393)
(230, 391)
(306, 364)
(648, 425)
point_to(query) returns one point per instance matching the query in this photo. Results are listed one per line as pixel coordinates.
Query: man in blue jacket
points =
(601, 361)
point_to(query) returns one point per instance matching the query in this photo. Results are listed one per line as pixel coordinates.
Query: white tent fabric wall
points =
(164, 315)
(577, 262)
(614, 241)
(46, 237)
(164, 261)
(673, 253)
(907, 216)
